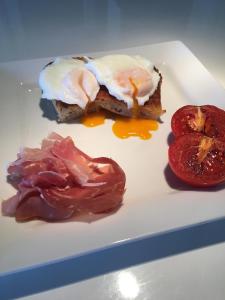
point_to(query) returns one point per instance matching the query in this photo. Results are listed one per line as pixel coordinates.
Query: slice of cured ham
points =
(58, 181)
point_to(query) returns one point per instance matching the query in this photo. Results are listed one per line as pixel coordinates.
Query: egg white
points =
(56, 84)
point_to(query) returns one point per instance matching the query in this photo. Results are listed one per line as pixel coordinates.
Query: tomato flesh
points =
(207, 119)
(198, 160)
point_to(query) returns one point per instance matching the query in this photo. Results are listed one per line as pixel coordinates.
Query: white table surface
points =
(32, 29)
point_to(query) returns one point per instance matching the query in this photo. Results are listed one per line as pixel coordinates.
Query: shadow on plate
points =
(48, 110)
(170, 138)
(50, 113)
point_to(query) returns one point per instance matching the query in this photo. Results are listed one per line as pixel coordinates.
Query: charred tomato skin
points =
(185, 163)
(214, 121)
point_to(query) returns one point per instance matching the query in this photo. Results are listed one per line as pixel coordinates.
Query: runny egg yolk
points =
(126, 127)
(93, 119)
(135, 109)
(123, 127)
(136, 82)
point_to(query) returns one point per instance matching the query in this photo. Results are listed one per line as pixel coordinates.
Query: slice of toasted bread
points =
(152, 109)
(71, 112)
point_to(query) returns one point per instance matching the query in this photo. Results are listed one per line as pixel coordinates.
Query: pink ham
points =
(59, 181)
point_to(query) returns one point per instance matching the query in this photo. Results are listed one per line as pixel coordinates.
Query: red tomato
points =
(207, 119)
(198, 160)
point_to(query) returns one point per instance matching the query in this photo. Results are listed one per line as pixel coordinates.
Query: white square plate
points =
(154, 202)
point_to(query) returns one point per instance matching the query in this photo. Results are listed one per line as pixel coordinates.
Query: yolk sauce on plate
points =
(93, 119)
(123, 127)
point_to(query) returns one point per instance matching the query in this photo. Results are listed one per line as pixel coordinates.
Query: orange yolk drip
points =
(93, 119)
(124, 128)
(135, 109)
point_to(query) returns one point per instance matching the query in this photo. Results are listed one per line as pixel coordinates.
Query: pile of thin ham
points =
(59, 181)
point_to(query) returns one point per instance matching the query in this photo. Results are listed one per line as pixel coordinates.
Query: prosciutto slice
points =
(59, 181)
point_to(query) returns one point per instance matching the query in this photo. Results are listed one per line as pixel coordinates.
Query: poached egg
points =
(128, 78)
(69, 81)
